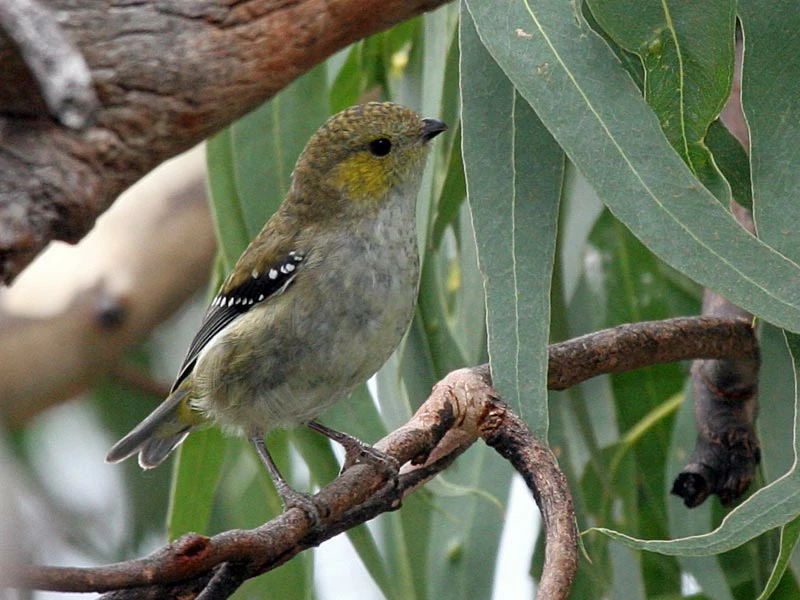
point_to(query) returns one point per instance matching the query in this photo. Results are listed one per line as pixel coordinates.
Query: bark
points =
(166, 74)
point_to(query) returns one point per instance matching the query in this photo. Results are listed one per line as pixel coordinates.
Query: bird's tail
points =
(160, 432)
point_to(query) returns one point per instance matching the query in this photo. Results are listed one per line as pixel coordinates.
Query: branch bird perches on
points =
(462, 408)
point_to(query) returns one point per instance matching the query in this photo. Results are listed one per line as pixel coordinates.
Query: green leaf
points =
(630, 61)
(347, 86)
(454, 191)
(442, 348)
(769, 92)
(775, 425)
(265, 145)
(514, 202)
(790, 535)
(197, 470)
(686, 50)
(770, 76)
(770, 507)
(438, 97)
(469, 311)
(226, 208)
(732, 161)
(587, 101)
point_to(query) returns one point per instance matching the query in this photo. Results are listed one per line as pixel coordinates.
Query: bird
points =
(316, 303)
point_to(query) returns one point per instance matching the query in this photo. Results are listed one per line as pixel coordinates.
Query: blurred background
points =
(91, 336)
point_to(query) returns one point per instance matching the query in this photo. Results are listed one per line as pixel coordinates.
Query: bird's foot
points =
(357, 451)
(313, 506)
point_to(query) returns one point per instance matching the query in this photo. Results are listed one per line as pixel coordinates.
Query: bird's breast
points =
(330, 330)
(368, 297)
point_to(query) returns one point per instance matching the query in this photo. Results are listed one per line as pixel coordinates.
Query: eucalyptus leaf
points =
(770, 88)
(197, 470)
(514, 172)
(589, 104)
(265, 145)
(454, 192)
(790, 536)
(686, 50)
(229, 220)
(732, 161)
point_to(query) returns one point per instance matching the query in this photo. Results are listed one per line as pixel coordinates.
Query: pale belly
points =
(316, 342)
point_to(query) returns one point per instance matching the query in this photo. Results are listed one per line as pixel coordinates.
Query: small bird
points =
(317, 302)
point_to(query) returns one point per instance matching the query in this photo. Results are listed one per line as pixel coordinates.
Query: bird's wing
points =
(240, 293)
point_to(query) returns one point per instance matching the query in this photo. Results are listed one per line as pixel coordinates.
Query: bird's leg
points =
(357, 451)
(290, 498)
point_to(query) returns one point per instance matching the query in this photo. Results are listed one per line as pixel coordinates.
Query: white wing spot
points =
(273, 274)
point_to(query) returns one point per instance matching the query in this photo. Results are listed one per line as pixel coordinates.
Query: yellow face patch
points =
(363, 177)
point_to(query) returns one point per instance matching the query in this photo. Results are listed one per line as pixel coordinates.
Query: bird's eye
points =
(380, 147)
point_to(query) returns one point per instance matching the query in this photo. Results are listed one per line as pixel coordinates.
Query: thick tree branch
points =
(167, 75)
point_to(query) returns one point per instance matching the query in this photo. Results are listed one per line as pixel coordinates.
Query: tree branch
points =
(167, 75)
(142, 262)
(61, 74)
(635, 345)
(461, 408)
(725, 390)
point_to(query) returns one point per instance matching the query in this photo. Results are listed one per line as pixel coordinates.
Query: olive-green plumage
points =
(320, 298)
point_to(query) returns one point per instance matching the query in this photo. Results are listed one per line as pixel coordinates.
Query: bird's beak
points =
(431, 128)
